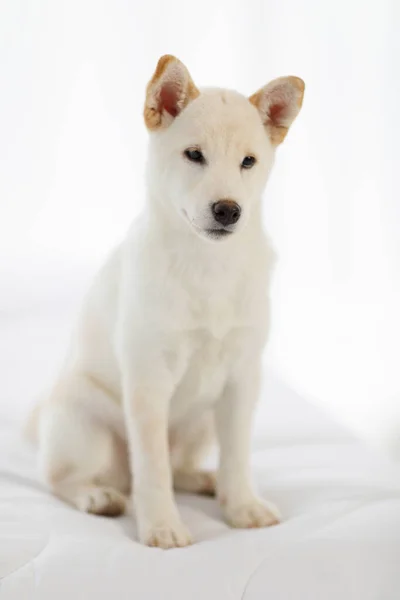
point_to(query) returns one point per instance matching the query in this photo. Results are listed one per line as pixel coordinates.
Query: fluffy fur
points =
(166, 355)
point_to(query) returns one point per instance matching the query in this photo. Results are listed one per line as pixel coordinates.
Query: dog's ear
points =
(279, 103)
(170, 89)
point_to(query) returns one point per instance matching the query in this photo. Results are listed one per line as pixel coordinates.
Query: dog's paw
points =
(196, 482)
(252, 514)
(166, 535)
(101, 501)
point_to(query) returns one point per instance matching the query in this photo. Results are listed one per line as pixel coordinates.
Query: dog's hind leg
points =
(195, 482)
(190, 445)
(83, 461)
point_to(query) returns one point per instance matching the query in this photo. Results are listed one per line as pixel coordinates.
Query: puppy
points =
(166, 355)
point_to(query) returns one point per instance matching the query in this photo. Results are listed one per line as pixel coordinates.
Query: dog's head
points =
(211, 151)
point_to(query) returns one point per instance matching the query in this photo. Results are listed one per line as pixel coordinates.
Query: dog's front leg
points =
(146, 403)
(241, 506)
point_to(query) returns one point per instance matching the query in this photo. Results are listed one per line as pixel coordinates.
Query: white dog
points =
(171, 334)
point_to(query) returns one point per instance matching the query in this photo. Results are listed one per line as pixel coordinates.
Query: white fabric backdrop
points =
(72, 145)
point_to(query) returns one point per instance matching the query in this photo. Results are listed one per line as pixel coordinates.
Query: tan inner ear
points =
(168, 68)
(276, 116)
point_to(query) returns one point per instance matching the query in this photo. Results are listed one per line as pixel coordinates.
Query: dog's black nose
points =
(226, 212)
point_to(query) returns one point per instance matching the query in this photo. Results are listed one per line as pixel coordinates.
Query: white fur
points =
(170, 336)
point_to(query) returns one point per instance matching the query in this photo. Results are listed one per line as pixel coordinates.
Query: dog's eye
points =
(195, 155)
(248, 162)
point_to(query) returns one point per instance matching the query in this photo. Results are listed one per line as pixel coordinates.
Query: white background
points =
(72, 149)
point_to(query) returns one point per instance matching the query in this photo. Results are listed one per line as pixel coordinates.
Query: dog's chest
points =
(216, 306)
(216, 316)
(207, 367)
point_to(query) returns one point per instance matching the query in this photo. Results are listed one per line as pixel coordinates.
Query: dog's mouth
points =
(216, 234)
(213, 233)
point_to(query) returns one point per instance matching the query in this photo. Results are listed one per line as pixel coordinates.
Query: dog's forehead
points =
(219, 111)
